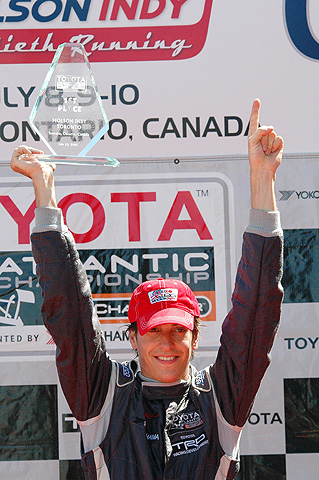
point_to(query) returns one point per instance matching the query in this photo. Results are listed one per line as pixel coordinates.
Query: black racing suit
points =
(140, 430)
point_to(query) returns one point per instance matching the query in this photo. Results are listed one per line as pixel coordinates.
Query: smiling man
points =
(158, 418)
(162, 314)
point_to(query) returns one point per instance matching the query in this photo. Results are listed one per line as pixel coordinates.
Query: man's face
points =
(165, 351)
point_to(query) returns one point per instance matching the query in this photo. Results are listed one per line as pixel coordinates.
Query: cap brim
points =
(168, 315)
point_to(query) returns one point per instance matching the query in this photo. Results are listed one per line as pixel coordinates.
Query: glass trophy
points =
(68, 114)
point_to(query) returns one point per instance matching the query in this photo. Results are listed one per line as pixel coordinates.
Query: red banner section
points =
(150, 43)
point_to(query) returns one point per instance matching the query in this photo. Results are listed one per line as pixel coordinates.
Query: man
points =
(158, 418)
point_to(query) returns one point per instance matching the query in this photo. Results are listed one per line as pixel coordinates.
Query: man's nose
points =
(167, 340)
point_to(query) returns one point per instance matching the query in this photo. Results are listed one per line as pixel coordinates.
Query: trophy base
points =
(79, 160)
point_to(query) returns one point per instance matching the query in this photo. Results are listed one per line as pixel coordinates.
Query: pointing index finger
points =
(254, 117)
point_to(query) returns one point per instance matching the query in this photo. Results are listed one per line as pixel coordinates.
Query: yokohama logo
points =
(121, 30)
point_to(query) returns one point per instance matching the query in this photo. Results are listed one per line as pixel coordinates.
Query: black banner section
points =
(301, 266)
(302, 415)
(29, 422)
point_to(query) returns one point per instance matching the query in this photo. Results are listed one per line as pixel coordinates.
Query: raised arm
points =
(249, 329)
(67, 310)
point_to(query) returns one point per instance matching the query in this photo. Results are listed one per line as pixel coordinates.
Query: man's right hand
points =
(24, 160)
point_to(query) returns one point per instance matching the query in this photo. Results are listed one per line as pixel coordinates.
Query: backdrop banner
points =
(146, 219)
(177, 79)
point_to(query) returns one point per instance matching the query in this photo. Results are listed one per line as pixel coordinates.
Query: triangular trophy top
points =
(68, 114)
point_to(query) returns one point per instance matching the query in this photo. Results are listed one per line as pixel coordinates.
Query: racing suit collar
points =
(157, 390)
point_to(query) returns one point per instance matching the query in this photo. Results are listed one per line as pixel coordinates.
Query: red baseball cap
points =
(160, 301)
